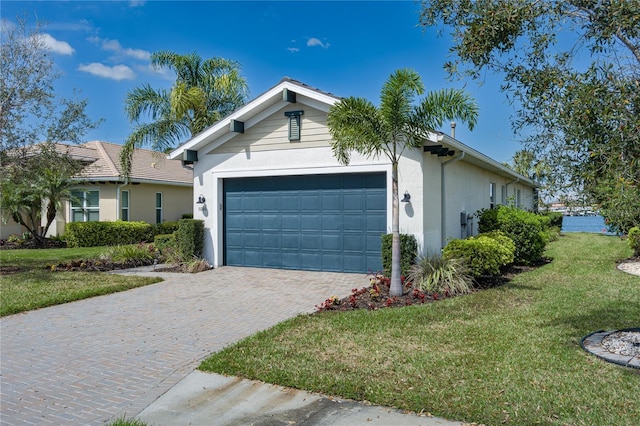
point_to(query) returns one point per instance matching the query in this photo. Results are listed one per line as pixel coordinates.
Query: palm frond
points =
(146, 101)
(356, 124)
(397, 96)
(441, 105)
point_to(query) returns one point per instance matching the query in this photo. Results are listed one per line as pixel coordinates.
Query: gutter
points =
(443, 204)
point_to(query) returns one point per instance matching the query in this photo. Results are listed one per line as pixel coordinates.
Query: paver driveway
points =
(89, 361)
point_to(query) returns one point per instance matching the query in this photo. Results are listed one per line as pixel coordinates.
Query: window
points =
(503, 195)
(492, 195)
(158, 207)
(85, 206)
(519, 198)
(124, 206)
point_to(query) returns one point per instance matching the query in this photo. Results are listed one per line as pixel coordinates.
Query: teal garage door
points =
(317, 223)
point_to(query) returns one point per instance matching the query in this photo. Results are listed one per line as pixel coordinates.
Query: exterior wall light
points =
(406, 198)
(201, 199)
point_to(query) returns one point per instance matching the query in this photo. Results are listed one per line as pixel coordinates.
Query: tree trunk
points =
(396, 283)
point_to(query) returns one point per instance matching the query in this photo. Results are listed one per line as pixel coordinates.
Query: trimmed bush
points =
(486, 254)
(93, 234)
(408, 253)
(166, 228)
(634, 240)
(526, 229)
(190, 238)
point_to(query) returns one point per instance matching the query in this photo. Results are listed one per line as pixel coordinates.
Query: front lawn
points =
(26, 284)
(505, 355)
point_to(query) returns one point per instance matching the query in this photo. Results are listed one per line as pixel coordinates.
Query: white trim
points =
(247, 113)
(243, 173)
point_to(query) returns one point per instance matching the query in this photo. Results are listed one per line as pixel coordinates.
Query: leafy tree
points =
(34, 176)
(358, 125)
(526, 163)
(204, 92)
(572, 68)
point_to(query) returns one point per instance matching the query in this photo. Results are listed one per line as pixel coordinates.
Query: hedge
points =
(94, 234)
(190, 238)
(408, 253)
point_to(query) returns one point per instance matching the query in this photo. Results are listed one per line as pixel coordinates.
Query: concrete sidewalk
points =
(212, 399)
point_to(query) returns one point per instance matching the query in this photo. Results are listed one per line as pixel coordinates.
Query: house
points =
(158, 189)
(272, 194)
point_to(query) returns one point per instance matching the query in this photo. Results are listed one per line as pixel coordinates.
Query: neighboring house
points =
(158, 189)
(275, 196)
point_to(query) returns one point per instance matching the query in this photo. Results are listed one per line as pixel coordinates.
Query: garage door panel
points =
(376, 221)
(332, 262)
(310, 242)
(271, 221)
(290, 260)
(311, 202)
(310, 222)
(376, 200)
(326, 222)
(331, 222)
(332, 242)
(332, 201)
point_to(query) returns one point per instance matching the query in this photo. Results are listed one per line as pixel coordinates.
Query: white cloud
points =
(137, 3)
(317, 42)
(293, 49)
(117, 72)
(115, 46)
(56, 46)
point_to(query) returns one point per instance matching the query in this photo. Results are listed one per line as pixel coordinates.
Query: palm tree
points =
(358, 125)
(204, 92)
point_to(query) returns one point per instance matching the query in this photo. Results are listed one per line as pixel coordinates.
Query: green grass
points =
(506, 355)
(36, 287)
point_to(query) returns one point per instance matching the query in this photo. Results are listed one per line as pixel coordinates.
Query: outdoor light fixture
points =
(406, 198)
(201, 199)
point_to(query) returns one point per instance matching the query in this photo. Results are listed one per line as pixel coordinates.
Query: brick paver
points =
(90, 361)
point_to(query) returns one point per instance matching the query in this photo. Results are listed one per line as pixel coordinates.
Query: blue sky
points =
(346, 48)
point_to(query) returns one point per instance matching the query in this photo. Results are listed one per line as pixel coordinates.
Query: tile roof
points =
(147, 166)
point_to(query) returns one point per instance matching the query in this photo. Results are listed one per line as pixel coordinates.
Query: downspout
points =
(443, 204)
(506, 188)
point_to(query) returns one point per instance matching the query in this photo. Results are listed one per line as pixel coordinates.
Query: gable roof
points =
(272, 100)
(255, 111)
(147, 166)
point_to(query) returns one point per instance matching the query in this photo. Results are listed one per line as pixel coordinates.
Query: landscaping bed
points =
(376, 295)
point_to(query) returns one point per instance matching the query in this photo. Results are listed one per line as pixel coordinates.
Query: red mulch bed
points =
(376, 296)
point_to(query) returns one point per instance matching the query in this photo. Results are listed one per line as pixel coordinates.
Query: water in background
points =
(584, 224)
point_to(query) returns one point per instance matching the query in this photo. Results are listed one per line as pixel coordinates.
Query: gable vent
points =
(294, 124)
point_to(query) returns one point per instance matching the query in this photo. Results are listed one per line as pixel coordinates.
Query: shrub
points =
(634, 240)
(165, 228)
(555, 218)
(408, 253)
(189, 238)
(486, 254)
(435, 273)
(93, 234)
(136, 253)
(526, 229)
(165, 243)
